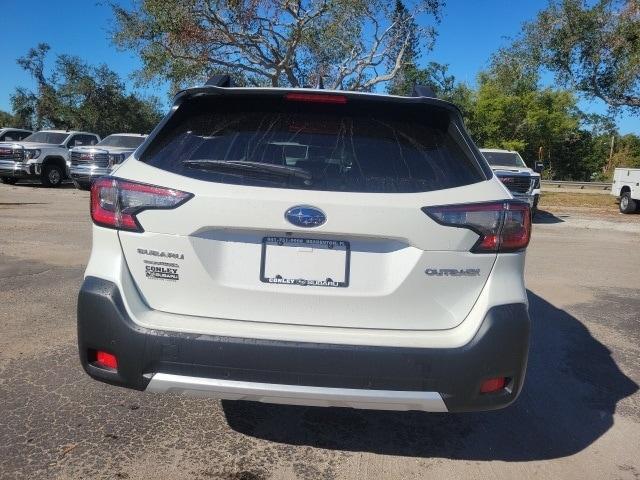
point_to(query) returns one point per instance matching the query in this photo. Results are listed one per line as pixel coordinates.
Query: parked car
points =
(88, 163)
(626, 186)
(13, 134)
(42, 155)
(522, 181)
(308, 247)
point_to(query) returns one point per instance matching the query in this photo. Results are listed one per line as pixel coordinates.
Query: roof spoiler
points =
(220, 81)
(225, 81)
(423, 91)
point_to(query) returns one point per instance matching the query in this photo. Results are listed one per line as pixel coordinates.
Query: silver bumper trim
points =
(87, 172)
(16, 168)
(296, 394)
(525, 197)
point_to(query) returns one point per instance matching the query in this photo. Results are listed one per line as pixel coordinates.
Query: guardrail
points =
(553, 184)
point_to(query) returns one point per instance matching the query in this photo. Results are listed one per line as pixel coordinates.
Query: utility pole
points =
(613, 140)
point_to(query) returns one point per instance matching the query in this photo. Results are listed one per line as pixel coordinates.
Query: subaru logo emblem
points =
(305, 216)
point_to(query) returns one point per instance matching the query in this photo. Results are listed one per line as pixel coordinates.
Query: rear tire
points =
(9, 180)
(83, 186)
(627, 204)
(52, 176)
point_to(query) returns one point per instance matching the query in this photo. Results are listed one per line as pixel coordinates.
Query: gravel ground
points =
(577, 418)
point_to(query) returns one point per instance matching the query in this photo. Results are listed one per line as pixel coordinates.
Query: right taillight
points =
(116, 202)
(503, 226)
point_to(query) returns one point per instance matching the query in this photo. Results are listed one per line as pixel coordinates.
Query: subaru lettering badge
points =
(305, 216)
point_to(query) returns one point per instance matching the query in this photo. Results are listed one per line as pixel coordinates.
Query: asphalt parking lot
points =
(577, 418)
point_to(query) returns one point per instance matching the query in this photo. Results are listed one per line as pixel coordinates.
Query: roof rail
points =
(220, 81)
(423, 91)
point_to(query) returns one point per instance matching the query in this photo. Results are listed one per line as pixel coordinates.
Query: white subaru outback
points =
(308, 247)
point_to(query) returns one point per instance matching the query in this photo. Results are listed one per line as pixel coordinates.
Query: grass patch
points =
(567, 199)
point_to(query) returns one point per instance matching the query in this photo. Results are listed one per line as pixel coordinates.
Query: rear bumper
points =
(297, 394)
(430, 379)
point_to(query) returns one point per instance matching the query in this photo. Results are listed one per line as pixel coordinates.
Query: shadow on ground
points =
(545, 217)
(572, 388)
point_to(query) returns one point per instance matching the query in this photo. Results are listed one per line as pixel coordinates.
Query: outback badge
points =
(452, 272)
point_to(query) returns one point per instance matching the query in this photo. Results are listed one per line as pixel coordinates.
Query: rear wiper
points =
(245, 165)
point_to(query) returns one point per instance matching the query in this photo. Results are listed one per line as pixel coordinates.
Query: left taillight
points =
(115, 202)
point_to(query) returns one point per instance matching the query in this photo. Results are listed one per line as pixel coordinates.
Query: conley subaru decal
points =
(305, 216)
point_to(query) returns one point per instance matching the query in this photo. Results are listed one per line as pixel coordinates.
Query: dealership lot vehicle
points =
(13, 134)
(626, 186)
(89, 163)
(42, 155)
(260, 232)
(522, 181)
(579, 406)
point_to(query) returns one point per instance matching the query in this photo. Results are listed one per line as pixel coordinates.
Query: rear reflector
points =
(503, 226)
(493, 385)
(106, 360)
(316, 98)
(115, 203)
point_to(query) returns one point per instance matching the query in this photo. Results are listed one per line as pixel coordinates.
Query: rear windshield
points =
(355, 147)
(123, 141)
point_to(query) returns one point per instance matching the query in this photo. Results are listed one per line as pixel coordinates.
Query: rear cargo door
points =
(310, 214)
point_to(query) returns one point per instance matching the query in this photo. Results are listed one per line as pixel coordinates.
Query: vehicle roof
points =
(68, 132)
(16, 129)
(127, 135)
(209, 89)
(497, 150)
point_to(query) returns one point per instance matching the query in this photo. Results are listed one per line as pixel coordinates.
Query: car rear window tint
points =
(362, 146)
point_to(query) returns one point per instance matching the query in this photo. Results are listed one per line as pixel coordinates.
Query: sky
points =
(471, 30)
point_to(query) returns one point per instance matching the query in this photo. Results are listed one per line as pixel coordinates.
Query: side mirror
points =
(538, 167)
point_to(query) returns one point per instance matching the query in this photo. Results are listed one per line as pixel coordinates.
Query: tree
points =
(627, 154)
(593, 47)
(404, 27)
(80, 96)
(24, 102)
(512, 111)
(444, 85)
(6, 119)
(350, 44)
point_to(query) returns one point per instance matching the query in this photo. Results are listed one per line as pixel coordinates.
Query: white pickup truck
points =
(8, 134)
(90, 162)
(509, 167)
(43, 155)
(626, 185)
